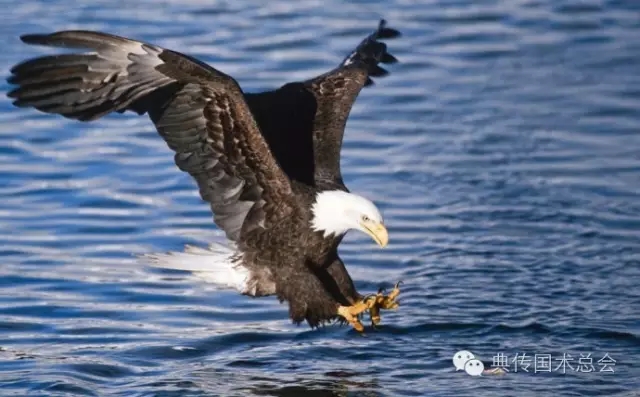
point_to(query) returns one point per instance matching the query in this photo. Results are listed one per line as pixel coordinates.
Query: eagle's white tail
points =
(213, 264)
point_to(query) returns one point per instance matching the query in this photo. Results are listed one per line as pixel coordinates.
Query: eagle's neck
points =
(331, 215)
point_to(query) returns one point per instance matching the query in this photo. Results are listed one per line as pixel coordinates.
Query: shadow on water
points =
(331, 384)
(217, 382)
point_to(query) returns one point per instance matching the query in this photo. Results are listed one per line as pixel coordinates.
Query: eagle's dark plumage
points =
(267, 163)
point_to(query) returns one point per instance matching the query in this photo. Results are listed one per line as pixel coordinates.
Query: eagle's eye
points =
(365, 218)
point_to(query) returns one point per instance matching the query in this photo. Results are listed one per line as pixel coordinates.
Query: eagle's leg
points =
(351, 313)
(384, 302)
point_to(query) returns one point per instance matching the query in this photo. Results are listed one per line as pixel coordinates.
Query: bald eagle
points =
(267, 163)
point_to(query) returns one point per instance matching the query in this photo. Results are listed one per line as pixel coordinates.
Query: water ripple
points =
(502, 150)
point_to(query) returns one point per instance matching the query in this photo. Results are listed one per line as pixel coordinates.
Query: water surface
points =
(503, 149)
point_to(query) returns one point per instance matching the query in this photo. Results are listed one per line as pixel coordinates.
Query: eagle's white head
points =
(335, 212)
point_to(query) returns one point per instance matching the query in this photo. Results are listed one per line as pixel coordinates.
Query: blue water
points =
(503, 149)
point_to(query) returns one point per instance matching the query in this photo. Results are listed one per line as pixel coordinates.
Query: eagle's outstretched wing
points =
(199, 111)
(304, 122)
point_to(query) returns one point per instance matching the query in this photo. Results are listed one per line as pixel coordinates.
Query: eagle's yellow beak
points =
(377, 231)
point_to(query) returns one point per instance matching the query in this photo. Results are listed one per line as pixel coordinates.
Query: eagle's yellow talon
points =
(372, 304)
(374, 312)
(351, 313)
(395, 292)
(387, 302)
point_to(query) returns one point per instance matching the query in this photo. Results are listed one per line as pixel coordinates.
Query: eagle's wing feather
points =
(313, 113)
(336, 92)
(198, 110)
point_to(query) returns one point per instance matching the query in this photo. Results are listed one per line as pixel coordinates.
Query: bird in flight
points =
(267, 163)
